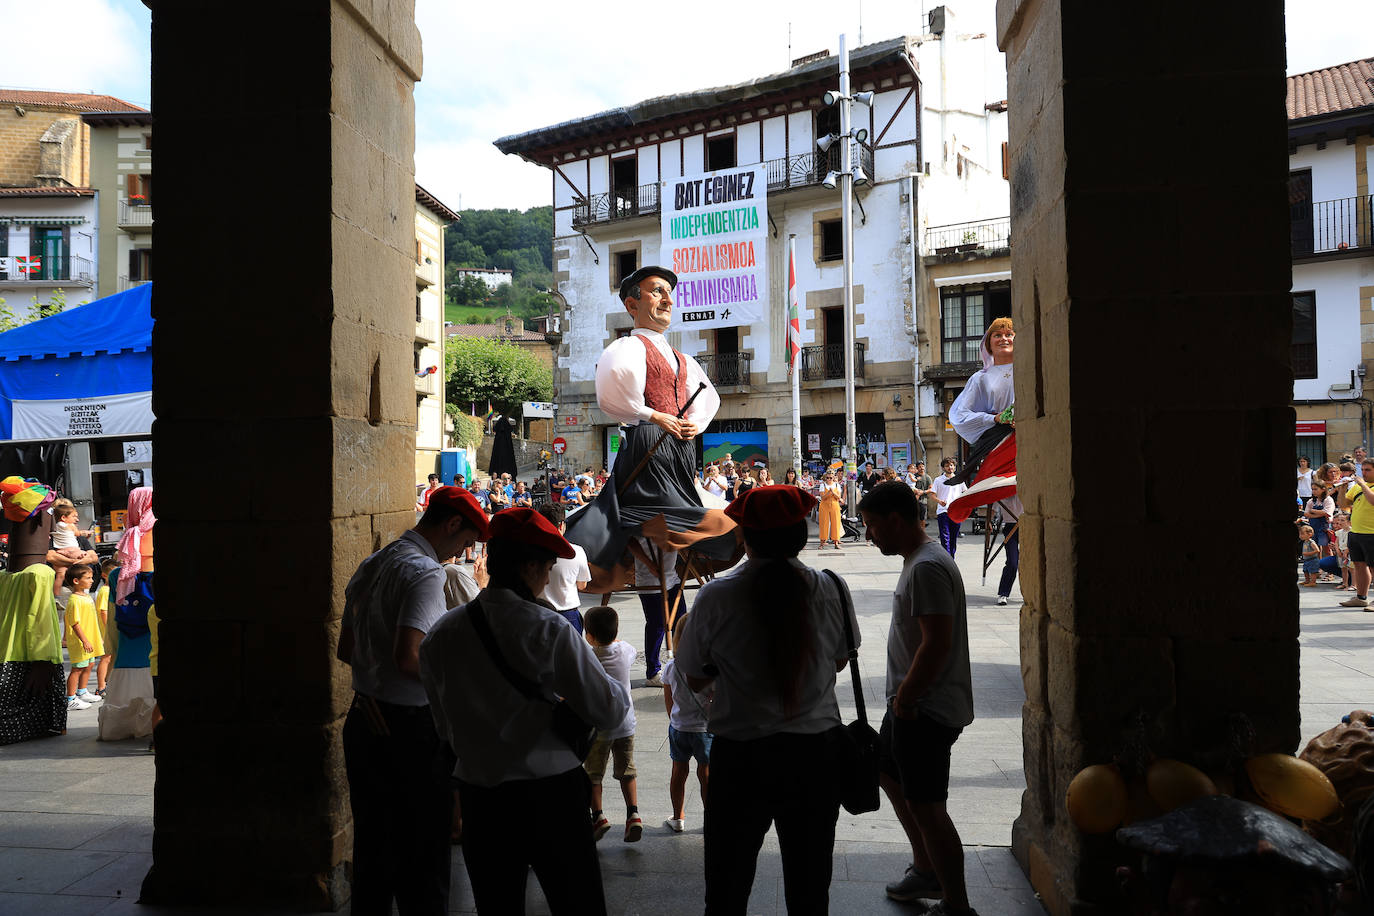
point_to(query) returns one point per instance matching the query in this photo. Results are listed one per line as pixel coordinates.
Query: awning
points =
(42, 220)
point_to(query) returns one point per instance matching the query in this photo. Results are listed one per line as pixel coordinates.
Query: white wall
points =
(1333, 169)
(1337, 285)
(82, 243)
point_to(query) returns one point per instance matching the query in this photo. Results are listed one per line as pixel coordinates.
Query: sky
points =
(490, 72)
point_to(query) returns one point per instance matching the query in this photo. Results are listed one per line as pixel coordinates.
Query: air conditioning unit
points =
(1344, 386)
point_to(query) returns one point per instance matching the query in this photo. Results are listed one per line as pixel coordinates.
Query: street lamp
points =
(847, 177)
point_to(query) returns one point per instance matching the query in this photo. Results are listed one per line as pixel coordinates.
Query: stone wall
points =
(312, 426)
(20, 158)
(1127, 633)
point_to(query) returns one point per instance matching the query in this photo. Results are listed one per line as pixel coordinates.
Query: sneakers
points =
(89, 698)
(1355, 601)
(74, 703)
(654, 681)
(634, 828)
(1001, 600)
(676, 824)
(600, 828)
(915, 885)
(940, 908)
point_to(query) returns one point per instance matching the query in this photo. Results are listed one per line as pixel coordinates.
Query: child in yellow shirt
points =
(84, 645)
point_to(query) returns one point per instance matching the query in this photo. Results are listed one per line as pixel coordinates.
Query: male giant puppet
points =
(644, 383)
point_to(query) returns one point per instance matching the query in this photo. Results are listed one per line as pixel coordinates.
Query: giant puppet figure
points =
(665, 400)
(984, 416)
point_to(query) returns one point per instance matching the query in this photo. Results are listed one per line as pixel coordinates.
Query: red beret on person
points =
(529, 527)
(770, 507)
(465, 504)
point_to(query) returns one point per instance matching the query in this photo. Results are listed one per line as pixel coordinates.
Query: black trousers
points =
(532, 823)
(1013, 561)
(783, 779)
(402, 813)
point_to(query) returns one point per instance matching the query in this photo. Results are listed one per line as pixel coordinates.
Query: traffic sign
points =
(560, 445)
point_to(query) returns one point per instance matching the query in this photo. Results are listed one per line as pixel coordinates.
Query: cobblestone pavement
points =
(76, 813)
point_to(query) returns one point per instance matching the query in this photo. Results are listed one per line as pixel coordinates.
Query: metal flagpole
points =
(846, 176)
(794, 351)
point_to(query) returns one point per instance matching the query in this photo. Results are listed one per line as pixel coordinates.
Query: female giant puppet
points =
(128, 708)
(984, 416)
(665, 399)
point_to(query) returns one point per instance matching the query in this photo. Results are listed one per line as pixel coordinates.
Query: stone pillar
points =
(285, 429)
(1150, 272)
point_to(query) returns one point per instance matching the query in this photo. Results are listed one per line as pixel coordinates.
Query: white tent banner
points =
(84, 418)
(715, 238)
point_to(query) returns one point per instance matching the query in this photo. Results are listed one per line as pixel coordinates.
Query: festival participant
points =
(402, 807)
(1304, 478)
(568, 577)
(641, 380)
(129, 704)
(423, 502)
(929, 694)
(832, 494)
(983, 416)
(524, 792)
(771, 636)
(1359, 500)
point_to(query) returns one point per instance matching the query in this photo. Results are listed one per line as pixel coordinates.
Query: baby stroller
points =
(853, 529)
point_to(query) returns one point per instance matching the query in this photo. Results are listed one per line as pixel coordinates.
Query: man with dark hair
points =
(929, 694)
(568, 577)
(401, 807)
(423, 502)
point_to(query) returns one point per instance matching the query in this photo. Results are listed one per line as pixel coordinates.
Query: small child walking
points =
(602, 627)
(688, 739)
(83, 636)
(1311, 556)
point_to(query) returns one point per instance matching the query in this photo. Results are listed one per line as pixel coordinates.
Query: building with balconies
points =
(614, 173)
(1330, 123)
(122, 173)
(431, 216)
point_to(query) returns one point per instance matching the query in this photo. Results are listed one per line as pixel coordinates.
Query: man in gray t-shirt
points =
(930, 696)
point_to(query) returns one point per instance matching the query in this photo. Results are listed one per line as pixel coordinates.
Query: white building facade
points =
(431, 216)
(1331, 117)
(48, 243)
(122, 173)
(609, 173)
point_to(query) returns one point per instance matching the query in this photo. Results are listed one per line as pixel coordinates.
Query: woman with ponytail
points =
(771, 636)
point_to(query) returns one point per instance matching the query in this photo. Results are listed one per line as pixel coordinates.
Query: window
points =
(624, 187)
(720, 152)
(623, 264)
(4, 252)
(49, 245)
(1305, 335)
(1300, 214)
(139, 189)
(832, 240)
(419, 312)
(141, 264)
(962, 324)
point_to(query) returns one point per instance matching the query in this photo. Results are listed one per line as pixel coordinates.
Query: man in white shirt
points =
(644, 383)
(401, 809)
(568, 577)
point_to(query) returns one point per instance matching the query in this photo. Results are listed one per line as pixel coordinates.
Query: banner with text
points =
(715, 238)
(84, 418)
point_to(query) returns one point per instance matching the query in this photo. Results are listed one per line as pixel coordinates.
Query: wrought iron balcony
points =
(810, 168)
(822, 363)
(726, 368)
(1329, 226)
(618, 204)
(980, 234)
(135, 213)
(41, 270)
(125, 283)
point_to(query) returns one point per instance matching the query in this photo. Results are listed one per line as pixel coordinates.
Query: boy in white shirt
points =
(688, 738)
(568, 577)
(603, 626)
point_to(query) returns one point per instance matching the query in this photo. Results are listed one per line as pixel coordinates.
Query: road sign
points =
(560, 445)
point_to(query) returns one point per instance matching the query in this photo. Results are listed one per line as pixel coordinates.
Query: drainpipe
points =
(918, 291)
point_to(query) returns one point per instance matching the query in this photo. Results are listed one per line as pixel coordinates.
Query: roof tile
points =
(1330, 90)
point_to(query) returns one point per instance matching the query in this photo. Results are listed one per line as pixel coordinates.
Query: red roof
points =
(497, 331)
(47, 192)
(1334, 89)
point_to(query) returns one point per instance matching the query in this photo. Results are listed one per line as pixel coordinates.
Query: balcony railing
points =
(809, 169)
(726, 368)
(427, 330)
(135, 214)
(987, 234)
(822, 363)
(427, 385)
(1332, 225)
(125, 283)
(45, 270)
(621, 203)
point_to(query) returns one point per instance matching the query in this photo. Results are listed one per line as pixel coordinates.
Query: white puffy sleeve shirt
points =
(988, 393)
(621, 376)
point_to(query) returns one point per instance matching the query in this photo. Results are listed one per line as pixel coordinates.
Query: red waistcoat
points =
(663, 391)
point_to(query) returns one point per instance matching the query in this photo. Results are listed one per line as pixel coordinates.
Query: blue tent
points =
(82, 373)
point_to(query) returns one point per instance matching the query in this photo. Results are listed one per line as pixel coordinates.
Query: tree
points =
(468, 291)
(480, 369)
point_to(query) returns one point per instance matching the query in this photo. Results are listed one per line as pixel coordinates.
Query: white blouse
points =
(621, 376)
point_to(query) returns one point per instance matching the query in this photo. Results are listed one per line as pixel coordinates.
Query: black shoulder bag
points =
(571, 728)
(857, 742)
